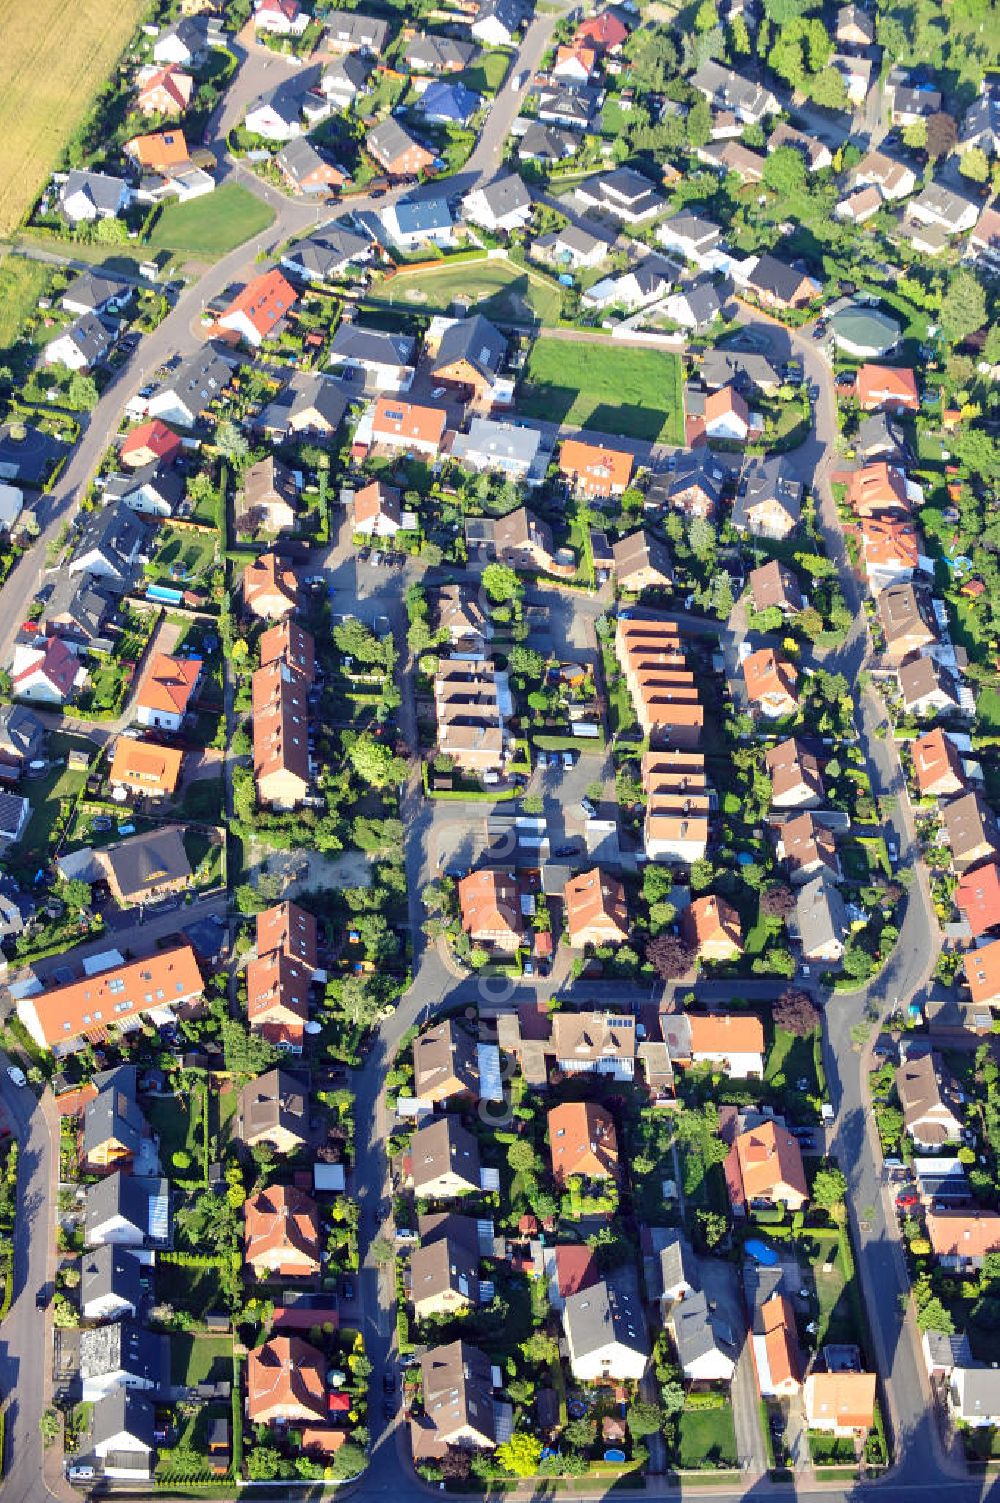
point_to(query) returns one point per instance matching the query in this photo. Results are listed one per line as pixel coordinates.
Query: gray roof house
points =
(429, 53)
(697, 303)
(94, 292)
(128, 1209)
(345, 79)
(476, 342)
(110, 1283)
(78, 609)
(706, 1346)
(497, 21)
(880, 437)
(678, 1271)
(113, 1124)
(741, 368)
(822, 920)
(769, 502)
(513, 450)
(92, 195)
(352, 31)
(123, 1355)
(189, 391)
(388, 358)
(748, 101)
(82, 345)
(975, 1395)
(152, 491)
(310, 404)
(981, 122)
(326, 254)
(22, 734)
(124, 1427)
(504, 204)
(606, 1333)
(15, 812)
(112, 542)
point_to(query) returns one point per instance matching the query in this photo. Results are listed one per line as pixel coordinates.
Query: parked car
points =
(347, 1288)
(16, 1075)
(570, 849)
(568, 759)
(543, 759)
(907, 1200)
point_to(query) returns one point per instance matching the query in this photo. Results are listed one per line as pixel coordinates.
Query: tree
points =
(829, 90)
(246, 1053)
(521, 1156)
(349, 1461)
(526, 662)
(829, 1189)
(963, 309)
(263, 1464)
(942, 134)
(643, 1418)
(777, 901)
(181, 1159)
(501, 583)
(932, 1316)
(374, 762)
(49, 1425)
(706, 16)
(356, 640)
(739, 37)
(796, 1012)
(701, 538)
(785, 170)
(702, 874)
(669, 956)
(699, 124)
(915, 135)
(82, 392)
(673, 1398)
(580, 1433)
(974, 164)
(382, 1251)
(520, 1455)
(230, 442)
(713, 1227)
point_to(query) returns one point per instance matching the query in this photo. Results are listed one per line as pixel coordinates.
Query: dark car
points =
(347, 1288)
(566, 850)
(388, 1383)
(42, 1298)
(388, 1409)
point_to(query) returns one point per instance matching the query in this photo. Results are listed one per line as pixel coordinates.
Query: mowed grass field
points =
(636, 393)
(496, 289)
(209, 227)
(54, 59)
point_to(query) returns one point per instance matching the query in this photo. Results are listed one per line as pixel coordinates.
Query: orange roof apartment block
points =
(145, 768)
(286, 1380)
(662, 686)
(765, 1168)
(490, 904)
(291, 644)
(712, 928)
(289, 928)
(771, 683)
(278, 999)
(407, 425)
(937, 765)
(158, 152)
(677, 806)
(280, 736)
(593, 470)
(116, 998)
(281, 1233)
(882, 388)
(270, 588)
(582, 1141)
(259, 310)
(596, 910)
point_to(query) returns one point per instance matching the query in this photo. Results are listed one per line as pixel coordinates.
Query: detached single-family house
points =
(727, 417)
(505, 204)
(328, 254)
(971, 830)
(930, 1101)
(764, 1168)
(460, 1410)
(883, 388)
(724, 90)
(444, 1273)
(593, 470)
(927, 687)
(282, 1233)
(45, 670)
(123, 1355)
(937, 765)
(124, 1434)
(977, 898)
(445, 1064)
(110, 1283)
(777, 285)
(705, 1342)
(396, 151)
(127, 1210)
(975, 1395)
(270, 498)
(822, 920)
(306, 170)
(81, 346)
(595, 909)
(469, 358)
(407, 426)
(497, 22)
(641, 562)
(774, 586)
(273, 1109)
(712, 928)
(387, 359)
(259, 311)
(87, 196)
(807, 848)
(771, 683)
(890, 549)
(840, 1403)
(410, 223)
(606, 1334)
(166, 691)
(775, 1344)
(906, 616)
(982, 974)
(582, 1142)
(377, 510)
(270, 588)
(769, 500)
(286, 1383)
(444, 1159)
(490, 905)
(893, 179)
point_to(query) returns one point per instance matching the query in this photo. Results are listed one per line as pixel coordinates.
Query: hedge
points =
(192, 1259)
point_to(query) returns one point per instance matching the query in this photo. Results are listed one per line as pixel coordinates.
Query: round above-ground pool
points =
(761, 1253)
(614, 1455)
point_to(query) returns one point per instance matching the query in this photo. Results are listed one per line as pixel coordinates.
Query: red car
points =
(906, 1200)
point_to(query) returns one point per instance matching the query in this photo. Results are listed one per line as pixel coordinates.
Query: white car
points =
(17, 1075)
(81, 1473)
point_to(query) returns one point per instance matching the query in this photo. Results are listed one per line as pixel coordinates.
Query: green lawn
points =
(22, 283)
(632, 392)
(838, 1320)
(51, 797)
(707, 1438)
(200, 1359)
(184, 555)
(487, 72)
(828, 1449)
(791, 1057)
(498, 290)
(193, 1289)
(177, 1122)
(210, 226)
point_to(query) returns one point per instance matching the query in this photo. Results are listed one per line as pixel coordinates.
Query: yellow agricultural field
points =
(54, 59)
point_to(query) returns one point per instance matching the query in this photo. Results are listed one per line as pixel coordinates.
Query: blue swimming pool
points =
(761, 1253)
(614, 1455)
